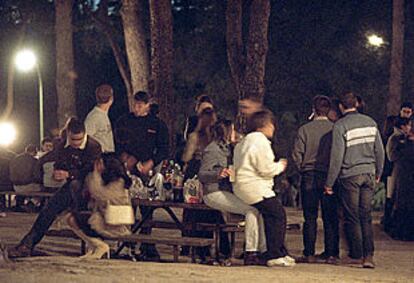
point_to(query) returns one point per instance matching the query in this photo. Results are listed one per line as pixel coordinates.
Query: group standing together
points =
(339, 162)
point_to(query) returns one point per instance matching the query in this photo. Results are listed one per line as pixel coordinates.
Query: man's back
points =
(98, 126)
(313, 145)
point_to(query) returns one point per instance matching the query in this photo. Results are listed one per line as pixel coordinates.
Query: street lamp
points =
(7, 134)
(375, 40)
(25, 61)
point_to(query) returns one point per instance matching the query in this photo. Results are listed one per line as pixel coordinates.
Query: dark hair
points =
(253, 98)
(31, 149)
(142, 96)
(204, 98)
(348, 100)
(45, 140)
(259, 120)
(221, 130)
(402, 122)
(75, 126)
(322, 105)
(154, 109)
(406, 104)
(103, 94)
(361, 105)
(114, 169)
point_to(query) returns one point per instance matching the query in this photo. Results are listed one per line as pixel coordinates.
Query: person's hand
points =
(377, 179)
(60, 175)
(283, 163)
(145, 167)
(328, 191)
(225, 172)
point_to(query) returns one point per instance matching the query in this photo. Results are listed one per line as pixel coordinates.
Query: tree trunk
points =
(394, 96)
(65, 74)
(162, 60)
(136, 46)
(257, 46)
(235, 43)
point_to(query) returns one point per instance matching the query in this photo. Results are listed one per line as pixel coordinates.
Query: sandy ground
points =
(395, 262)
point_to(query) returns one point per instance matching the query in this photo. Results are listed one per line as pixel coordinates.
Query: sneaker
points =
(352, 262)
(281, 262)
(332, 260)
(290, 259)
(368, 262)
(306, 259)
(251, 258)
(19, 251)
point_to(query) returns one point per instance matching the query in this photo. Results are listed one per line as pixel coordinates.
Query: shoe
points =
(148, 257)
(98, 252)
(352, 262)
(290, 259)
(332, 260)
(19, 251)
(306, 259)
(368, 262)
(281, 262)
(251, 258)
(226, 262)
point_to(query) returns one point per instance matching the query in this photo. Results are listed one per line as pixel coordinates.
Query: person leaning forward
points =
(74, 159)
(142, 143)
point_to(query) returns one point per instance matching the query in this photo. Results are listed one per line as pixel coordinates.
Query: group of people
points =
(339, 155)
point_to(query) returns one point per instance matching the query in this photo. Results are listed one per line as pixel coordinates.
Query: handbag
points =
(119, 214)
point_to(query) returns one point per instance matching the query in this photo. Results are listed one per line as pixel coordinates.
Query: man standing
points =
(311, 156)
(97, 122)
(142, 143)
(74, 159)
(357, 159)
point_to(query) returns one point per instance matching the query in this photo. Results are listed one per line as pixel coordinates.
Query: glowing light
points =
(25, 60)
(375, 40)
(7, 133)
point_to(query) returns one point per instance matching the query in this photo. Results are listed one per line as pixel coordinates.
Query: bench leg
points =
(232, 244)
(193, 260)
(83, 247)
(175, 253)
(216, 236)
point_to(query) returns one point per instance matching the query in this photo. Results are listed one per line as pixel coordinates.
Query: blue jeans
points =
(356, 196)
(312, 188)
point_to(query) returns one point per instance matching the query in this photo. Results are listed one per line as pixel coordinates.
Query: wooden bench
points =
(8, 194)
(175, 242)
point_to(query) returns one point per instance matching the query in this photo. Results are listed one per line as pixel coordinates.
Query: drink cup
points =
(232, 176)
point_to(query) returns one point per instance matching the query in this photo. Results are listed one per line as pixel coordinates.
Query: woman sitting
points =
(105, 185)
(214, 174)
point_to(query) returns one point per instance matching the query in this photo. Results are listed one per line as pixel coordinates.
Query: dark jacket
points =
(22, 169)
(143, 137)
(78, 162)
(356, 148)
(5, 157)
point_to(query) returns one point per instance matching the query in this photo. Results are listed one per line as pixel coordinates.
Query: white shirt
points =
(98, 126)
(255, 168)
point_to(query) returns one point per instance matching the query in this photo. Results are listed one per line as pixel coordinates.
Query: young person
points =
(255, 169)
(215, 176)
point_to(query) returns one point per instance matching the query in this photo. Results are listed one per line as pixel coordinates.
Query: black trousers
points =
(274, 218)
(69, 196)
(312, 188)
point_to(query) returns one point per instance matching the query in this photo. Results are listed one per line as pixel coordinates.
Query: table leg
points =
(174, 217)
(175, 253)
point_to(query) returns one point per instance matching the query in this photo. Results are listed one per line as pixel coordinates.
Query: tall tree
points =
(397, 54)
(161, 85)
(247, 62)
(65, 74)
(136, 46)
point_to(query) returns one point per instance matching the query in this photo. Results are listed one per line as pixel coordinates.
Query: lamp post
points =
(25, 61)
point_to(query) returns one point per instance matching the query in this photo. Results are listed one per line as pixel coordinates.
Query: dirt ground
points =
(394, 259)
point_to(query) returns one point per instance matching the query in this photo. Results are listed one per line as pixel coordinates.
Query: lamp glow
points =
(25, 60)
(7, 133)
(375, 40)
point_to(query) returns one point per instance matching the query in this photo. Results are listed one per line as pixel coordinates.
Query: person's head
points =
(46, 144)
(203, 102)
(113, 169)
(31, 149)
(348, 101)
(249, 105)
(334, 113)
(141, 104)
(75, 133)
(104, 94)
(406, 110)
(404, 124)
(262, 121)
(321, 105)
(223, 131)
(206, 119)
(361, 105)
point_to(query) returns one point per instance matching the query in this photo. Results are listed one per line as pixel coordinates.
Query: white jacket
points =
(255, 168)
